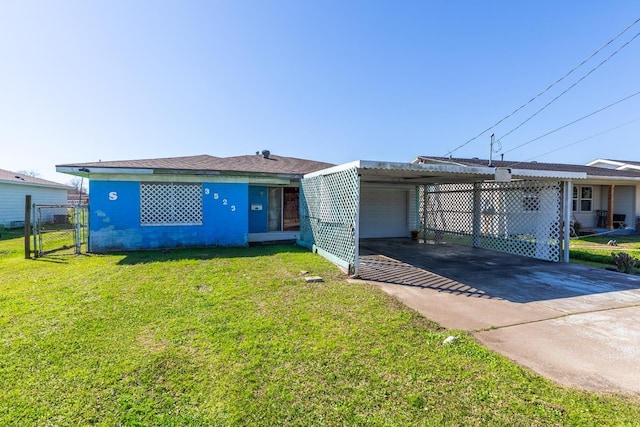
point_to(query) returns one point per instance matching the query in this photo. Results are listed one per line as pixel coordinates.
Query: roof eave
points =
(37, 184)
(449, 169)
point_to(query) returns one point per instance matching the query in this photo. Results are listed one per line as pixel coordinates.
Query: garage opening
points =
(384, 211)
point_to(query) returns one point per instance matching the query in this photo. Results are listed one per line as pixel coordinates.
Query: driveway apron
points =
(576, 325)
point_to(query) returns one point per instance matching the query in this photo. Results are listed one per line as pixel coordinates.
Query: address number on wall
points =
(216, 196)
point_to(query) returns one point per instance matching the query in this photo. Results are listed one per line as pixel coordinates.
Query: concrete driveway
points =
(576, 325)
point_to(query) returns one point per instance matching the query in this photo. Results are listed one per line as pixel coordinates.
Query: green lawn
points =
(235, 337)
(596, 252)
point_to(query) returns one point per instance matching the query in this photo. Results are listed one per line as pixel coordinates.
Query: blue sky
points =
(334, 81)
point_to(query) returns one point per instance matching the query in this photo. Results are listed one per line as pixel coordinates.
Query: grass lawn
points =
(235, 337)
(595, 251)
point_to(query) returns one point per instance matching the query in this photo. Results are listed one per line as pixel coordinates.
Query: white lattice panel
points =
(522, 217)
(170, 204)
(328, 210)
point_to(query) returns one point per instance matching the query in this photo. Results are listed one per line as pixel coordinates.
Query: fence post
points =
(27, 226)
(77, 234)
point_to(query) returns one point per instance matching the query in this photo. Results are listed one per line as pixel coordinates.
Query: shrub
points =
(625, 262)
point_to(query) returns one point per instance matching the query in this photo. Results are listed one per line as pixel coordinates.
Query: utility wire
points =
(575, 142)
(545, 90)
(574, 122)
(569, 88)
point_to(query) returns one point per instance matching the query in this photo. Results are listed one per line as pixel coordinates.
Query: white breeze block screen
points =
(170, 204)
(522, 217)
(328, 213)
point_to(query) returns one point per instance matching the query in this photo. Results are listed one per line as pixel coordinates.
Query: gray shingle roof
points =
(202, 162)
(591, 171)
(255, 163)
(19, 178)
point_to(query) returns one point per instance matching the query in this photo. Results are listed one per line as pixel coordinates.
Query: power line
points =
(574, 122)
(545, 90)
(575, 142)
(569, 88)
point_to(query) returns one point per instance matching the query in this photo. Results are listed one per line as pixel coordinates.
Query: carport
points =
(518, 211)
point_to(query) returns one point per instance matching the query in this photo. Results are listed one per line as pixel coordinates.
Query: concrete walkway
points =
(576, 325)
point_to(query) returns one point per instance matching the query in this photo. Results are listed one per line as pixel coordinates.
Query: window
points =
(170, 204)
(582, 199)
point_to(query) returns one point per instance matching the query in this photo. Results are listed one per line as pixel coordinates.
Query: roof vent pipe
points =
(266, 153)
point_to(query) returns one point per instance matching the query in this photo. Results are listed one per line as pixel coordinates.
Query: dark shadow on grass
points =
(150, 256)
(53, 259)
(11, 233)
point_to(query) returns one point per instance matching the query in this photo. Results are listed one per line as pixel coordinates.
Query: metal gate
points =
(59, 229)
(522, 217)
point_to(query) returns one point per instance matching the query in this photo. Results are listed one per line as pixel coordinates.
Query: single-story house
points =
(14, 187)
(192, 201)
(524, 208)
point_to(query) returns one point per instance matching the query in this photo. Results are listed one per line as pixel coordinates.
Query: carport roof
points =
(427, 173)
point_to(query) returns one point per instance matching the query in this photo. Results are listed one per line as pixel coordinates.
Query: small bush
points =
(625, 262)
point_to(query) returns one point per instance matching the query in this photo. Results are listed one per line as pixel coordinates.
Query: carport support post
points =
(356, 230)
(567, 208)
(476, 215)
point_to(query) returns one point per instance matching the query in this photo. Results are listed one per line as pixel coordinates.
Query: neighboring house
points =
(77, 197)
(615, 164)
(608, 198)
(192, 201)
(13, 189)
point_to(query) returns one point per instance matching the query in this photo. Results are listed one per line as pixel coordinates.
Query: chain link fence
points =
(59, 229)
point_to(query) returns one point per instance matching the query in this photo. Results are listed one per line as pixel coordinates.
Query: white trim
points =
(532, 173)
(197, 179)
(621, 166)
(606, 162)
(629, 166)
(37, 184)
(446, 169)
(566, 219)
(334, 169)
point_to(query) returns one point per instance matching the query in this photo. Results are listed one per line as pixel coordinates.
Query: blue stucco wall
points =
(114, 221)
(258, 196)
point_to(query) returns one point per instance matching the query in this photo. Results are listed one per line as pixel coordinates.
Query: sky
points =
(334, 81)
